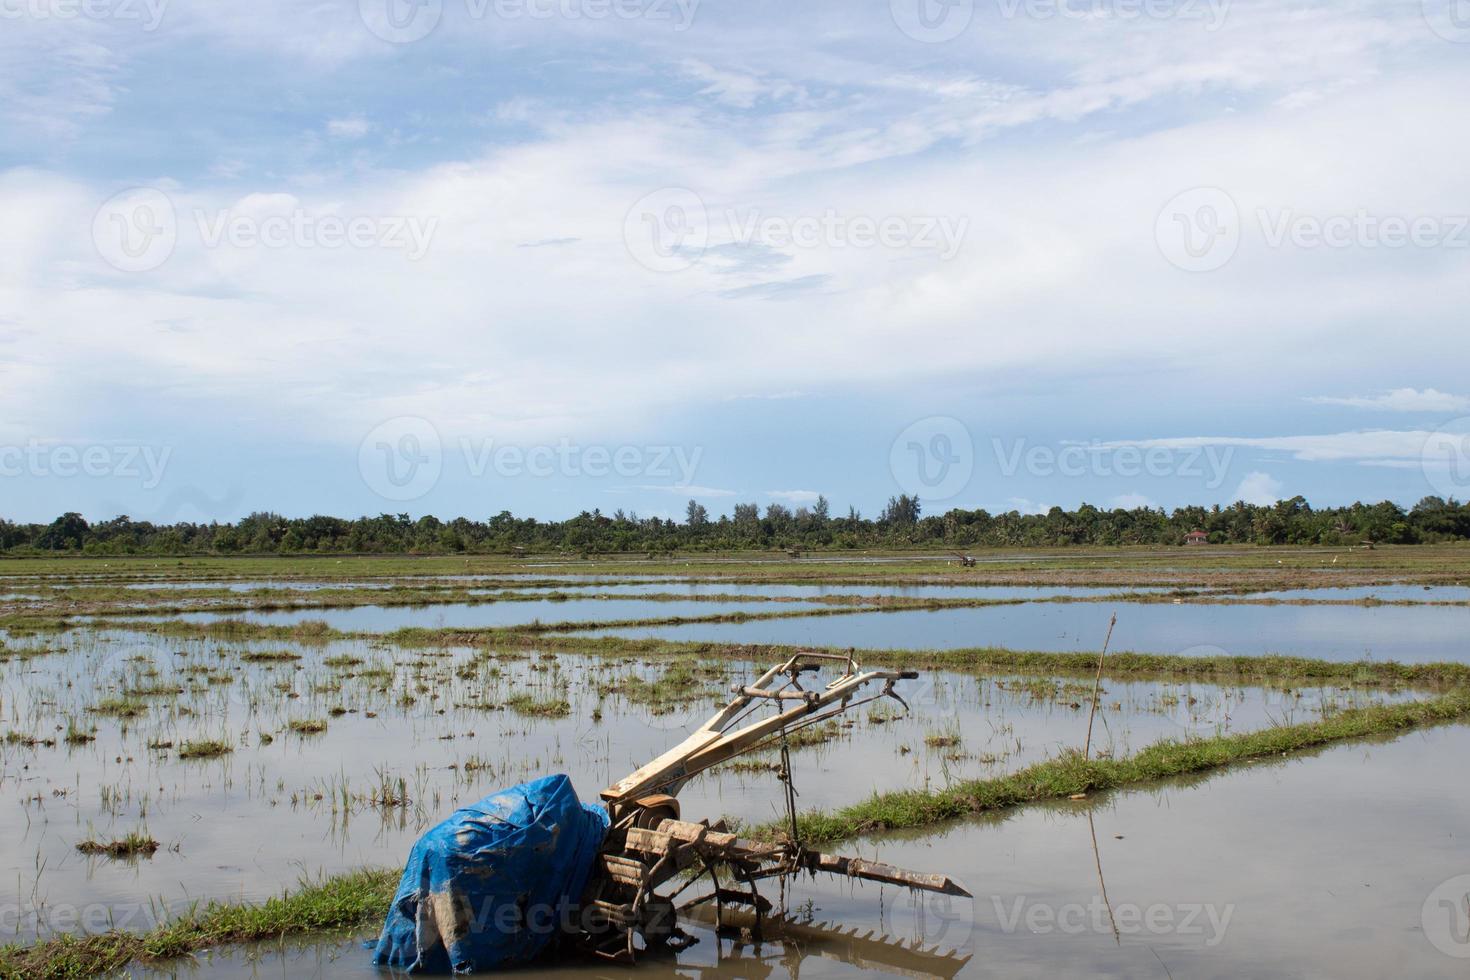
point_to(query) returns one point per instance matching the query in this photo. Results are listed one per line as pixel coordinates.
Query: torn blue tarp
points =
(492, 885)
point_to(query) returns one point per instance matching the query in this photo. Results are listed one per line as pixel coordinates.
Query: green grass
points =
(120, 707)
(135, 844)
(77, 735)
(269, 656)
(682, 682)
(1070, 774)
(205, 748)
(529, 704)
(346, 902)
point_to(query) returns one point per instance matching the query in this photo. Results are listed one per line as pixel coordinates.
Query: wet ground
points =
(335, 756)
(313, 758)
(1236, 875)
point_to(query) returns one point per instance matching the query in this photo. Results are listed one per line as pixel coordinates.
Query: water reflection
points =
(1412, 634)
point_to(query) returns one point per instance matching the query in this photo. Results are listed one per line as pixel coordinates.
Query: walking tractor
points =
(503, 879)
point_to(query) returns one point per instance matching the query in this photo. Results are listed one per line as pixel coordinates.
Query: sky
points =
(546, 256)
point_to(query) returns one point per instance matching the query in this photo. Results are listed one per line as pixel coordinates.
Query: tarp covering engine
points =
(489, 887)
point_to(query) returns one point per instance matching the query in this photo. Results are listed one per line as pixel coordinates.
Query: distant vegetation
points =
(900, 525)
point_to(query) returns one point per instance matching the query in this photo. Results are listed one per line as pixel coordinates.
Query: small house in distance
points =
(1196, 537)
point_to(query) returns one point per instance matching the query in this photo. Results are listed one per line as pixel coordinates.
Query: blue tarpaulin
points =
(490, 886)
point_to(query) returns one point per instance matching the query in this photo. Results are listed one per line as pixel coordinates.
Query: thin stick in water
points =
(1097, 686)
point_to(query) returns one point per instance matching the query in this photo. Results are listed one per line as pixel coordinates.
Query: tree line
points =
(901, 524)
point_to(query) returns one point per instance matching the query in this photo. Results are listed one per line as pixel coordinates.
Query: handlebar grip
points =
(908, 675)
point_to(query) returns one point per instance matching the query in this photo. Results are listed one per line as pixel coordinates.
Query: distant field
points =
(1394, 561)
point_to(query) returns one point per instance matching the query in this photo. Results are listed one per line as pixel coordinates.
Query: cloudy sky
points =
(460, 256)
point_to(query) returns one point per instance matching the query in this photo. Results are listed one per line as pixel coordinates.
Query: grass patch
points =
(682, 682)
(135, 844)
(205, 748)
(344, 902)
(307, 726)
(529, 704)
(120, 707)
(77, 735)
(269, 656)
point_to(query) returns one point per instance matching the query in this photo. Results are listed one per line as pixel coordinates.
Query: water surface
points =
(1232, 875)
(1406, 633)
(461, 615)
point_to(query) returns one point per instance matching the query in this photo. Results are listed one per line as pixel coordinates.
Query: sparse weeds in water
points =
(269, 656)
(28, 741)
(812, 735)
(882, 714)
(682, 682)
(135, 844)
(307, 726)
(120, 707)
(947, 738)
(390, 791)
(751, 765)
(152, 690)
(76, 735)
(205, 748)
(529, 704)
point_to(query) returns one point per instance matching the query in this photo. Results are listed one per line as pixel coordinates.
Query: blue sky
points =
(460, 256)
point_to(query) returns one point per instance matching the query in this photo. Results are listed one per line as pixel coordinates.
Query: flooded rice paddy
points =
(1345, 632)
(256, 764)
(253, 763)
(461, 615)
(1234, 875)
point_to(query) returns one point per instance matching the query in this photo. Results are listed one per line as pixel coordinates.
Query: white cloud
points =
(1027, 506)
(1402, 400)
(774, 396)
(795, 496)
(350, 128)
(1376, 446)
(505, 340)
(1258, 488)
(1131, 501)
